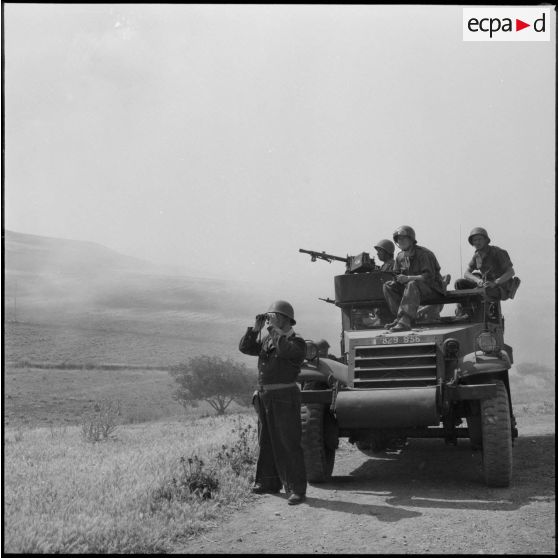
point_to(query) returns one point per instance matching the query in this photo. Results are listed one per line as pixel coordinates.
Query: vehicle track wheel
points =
(496, 438)
(319, 441)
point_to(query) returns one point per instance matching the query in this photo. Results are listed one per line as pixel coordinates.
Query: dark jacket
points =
(279, 356)
(387, 265)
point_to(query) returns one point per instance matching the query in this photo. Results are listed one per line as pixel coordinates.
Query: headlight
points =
(487, 342)
(451, 348)
(311, 350)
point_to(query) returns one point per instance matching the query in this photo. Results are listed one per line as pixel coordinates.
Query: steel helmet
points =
(322, 343)
(386, 245)
(404, 230)
(283, 307)
(478, 230)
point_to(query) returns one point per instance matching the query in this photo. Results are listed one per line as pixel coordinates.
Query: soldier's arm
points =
(505, 263)
(469, 273)
(288, 347)
(506, 276)
(249, 344)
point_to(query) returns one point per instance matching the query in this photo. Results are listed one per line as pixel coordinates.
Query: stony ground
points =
(429, 499)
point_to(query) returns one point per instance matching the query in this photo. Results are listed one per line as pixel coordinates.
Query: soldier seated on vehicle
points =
(490, 267)
(385, 250)
(417, 278)
(323, 348)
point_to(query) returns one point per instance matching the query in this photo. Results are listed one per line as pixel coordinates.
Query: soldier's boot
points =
(403, 324)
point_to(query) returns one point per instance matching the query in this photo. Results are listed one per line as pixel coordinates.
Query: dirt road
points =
(429, 499)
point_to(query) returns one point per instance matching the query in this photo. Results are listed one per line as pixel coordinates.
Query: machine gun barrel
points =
(330, 300)
(323, 256)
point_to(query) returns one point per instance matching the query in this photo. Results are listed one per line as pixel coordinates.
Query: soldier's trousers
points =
(281, 458)
(494, 293)
(404, 300)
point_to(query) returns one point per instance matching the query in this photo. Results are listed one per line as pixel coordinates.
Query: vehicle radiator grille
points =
(395, 365)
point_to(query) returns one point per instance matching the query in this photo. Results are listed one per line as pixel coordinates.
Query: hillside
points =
(72, 301)
(80, 302)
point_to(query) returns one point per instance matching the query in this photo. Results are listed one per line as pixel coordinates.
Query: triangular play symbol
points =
(519, 25)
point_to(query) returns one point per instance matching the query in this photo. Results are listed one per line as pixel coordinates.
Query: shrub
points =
(100, 421)
(241, 455)
(196, 479)
(215, 380)
(193, 479)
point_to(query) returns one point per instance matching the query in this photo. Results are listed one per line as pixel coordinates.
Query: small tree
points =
(215, 380)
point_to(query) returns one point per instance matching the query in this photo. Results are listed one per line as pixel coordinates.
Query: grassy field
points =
(122, 337)
(44, 397)
(52, 397)
(124, 495)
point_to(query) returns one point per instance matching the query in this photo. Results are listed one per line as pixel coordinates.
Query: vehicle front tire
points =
(474, 425)
(319, 441)
(496, 438)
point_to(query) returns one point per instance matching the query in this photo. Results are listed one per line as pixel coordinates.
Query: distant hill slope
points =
(40, 254)
(75, 301)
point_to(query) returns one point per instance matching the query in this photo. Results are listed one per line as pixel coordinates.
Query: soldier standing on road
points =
(385, 250)
(417, 278)
(277, 401)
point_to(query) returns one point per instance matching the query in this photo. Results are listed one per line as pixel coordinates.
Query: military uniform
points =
(404, 299)
(387, 247)
(281, 458)
(492, 262)
(388, 265)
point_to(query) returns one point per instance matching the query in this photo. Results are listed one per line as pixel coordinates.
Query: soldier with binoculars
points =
(280, 355)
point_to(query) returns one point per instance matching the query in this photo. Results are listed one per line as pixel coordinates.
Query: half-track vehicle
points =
(446, 378)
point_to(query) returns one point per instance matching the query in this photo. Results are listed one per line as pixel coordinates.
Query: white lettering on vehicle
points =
(396, 340)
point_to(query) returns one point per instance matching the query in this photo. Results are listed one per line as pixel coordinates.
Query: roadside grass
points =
(64, 495)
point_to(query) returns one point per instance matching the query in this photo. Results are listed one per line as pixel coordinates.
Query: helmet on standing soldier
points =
(283, 307)
(478, 230)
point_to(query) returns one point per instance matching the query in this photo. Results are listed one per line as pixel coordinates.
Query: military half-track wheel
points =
(319, 441)
(496, 438)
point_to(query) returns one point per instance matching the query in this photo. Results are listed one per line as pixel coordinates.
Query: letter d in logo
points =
(542, 28)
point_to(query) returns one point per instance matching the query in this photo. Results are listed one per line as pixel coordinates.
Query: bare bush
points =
(101, 420)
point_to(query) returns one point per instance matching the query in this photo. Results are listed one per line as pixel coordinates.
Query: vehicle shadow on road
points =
(429, 474)
(382, 513)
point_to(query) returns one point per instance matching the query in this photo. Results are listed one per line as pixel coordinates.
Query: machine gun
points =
(360, 263)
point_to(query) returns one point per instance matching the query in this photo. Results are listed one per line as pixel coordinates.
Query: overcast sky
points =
(225, 138)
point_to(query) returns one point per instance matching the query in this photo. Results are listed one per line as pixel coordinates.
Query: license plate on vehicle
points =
(398, 340)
